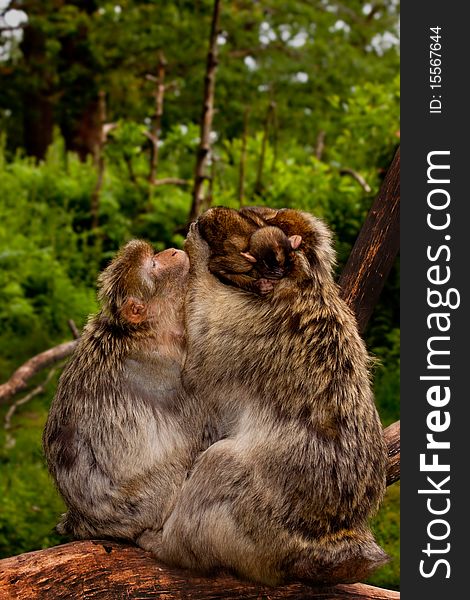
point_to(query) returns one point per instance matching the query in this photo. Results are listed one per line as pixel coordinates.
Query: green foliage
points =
(29, 504)
(43, 276)
(386, 527)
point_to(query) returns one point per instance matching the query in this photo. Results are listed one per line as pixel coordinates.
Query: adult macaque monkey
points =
(288, 493)
(121, 433)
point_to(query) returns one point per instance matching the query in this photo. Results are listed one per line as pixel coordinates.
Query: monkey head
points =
(271, 250)
(132, 285)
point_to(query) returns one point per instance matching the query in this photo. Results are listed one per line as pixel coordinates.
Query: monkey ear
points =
(295, 241)
(249, 257)
(134, 311)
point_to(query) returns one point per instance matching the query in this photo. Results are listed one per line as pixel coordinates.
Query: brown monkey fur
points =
(287, 494)
(244, 250)
(121, 434)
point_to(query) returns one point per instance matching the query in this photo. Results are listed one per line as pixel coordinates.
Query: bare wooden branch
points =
(74, 329)
(207, 201)
(9, 438)
(207, 116)
(19, 380)
(108, 570)
(157, 121)
(171, 181)
(37, 390)
(375, 249)
(358, 177)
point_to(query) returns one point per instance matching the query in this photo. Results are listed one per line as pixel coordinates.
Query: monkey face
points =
(272, 251)
(274, 262)
(162, 275)
(138, 279)
(170, 264)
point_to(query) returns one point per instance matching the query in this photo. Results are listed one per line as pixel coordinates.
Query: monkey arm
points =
(198, 251)
(259, 286)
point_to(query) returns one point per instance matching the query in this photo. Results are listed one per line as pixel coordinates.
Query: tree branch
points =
(108, 570)
(171, 181)
(99, 162)
(358, 177)
(270, 115)
(19, 380)
(73, 328)
(320, 144)
(9, 439)
(375, 249)
(392, 439)
(241, 169)
(154, 136)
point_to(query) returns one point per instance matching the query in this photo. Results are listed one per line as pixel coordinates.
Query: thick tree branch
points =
(375, 249)
(392, 439)
(20, 378)
(108, 570)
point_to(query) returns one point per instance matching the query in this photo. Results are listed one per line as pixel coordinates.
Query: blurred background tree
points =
(306, 116)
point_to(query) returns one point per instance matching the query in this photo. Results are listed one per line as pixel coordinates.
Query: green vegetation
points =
(333, 79)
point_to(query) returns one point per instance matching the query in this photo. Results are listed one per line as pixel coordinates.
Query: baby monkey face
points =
(273, 262)
(272, 251)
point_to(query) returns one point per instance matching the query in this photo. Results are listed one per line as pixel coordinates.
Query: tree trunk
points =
(241, 173)
(38, 107)
(262, 156)
(375, 249)
(99, 162)
(157, 122)
(206, 118)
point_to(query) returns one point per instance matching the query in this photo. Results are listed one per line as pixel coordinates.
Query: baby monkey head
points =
(271, 251)
(138, 280)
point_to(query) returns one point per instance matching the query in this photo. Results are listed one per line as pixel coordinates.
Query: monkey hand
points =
(197, 249)
(264, 286)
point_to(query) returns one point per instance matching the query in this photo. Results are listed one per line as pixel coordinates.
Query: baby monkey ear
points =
(295, 241)
(134, 311)
(249, 257)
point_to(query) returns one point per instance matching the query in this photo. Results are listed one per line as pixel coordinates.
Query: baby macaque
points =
(121, 433)
(287, 494)
(244, 251)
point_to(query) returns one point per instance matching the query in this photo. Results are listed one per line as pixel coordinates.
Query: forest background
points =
(101, 142)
